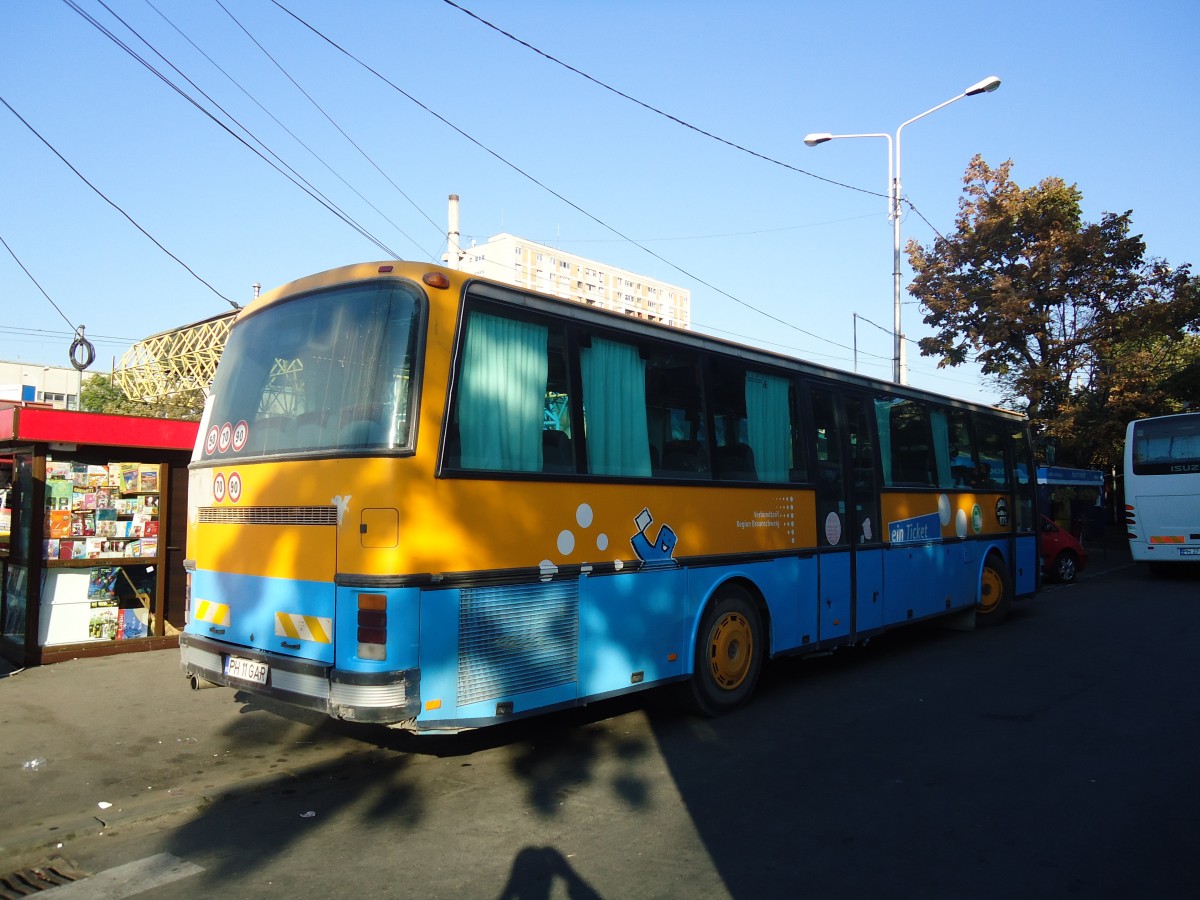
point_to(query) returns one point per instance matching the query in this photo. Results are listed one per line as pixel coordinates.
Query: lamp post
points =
(985, 86)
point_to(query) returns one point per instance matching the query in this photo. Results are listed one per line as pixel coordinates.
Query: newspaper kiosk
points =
(92, 531)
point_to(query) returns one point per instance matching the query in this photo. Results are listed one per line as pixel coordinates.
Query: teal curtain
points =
(941, 446)
(502, 394)
(614, 409)
(883, 419)
(769, 425)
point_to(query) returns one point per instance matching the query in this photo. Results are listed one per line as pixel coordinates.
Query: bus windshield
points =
(333, 370)
(1167, 445)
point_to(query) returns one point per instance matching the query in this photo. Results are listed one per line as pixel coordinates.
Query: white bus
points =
(1162, 488)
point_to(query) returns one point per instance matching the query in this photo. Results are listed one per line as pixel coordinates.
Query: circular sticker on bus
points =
(219, 487)
(210, 442)
(833, 528)
(944, 510)
(235, 487)
(241, 432)
(1002, 512)
(976, 518)
(225, 438)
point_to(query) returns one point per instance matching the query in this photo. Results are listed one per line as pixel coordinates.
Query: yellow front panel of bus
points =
(303, 553)
(272, 519)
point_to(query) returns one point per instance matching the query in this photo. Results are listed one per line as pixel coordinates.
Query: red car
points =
(1063, 557)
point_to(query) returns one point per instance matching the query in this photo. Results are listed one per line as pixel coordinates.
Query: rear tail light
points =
(372, 626)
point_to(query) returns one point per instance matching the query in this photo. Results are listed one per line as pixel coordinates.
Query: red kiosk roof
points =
(32, 423)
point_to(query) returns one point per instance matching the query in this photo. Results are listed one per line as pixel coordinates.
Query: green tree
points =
(100, 393)
(1070, 319)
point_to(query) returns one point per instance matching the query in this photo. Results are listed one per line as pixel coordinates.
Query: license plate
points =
(1189, 551)
(246, 669)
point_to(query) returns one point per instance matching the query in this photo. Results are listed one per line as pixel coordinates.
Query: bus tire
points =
(995, 593)
(729, 652)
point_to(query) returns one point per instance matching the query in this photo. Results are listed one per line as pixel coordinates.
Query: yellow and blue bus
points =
(438, 502)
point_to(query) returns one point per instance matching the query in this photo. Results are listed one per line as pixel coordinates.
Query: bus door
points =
(851, 555)
(866, 538)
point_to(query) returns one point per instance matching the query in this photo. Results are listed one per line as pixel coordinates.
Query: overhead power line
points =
(547, 188)
(676, 119)
(105, 198)
(294, 177)
(73, 326)
(654, 109)
(341, 131)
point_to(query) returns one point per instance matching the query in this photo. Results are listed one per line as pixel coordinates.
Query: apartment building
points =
(549, 270)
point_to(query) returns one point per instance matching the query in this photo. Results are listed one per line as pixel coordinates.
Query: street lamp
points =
(986, 86)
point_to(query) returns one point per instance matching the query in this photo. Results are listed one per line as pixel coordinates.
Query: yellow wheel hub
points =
(991, 590)
(730, 651)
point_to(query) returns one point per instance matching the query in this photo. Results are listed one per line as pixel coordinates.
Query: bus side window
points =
(674, 403)
(558, 453)
(614, 408)
(906, 441)
(994, 456)
(963, 461)
(755, 427)
(501, 395)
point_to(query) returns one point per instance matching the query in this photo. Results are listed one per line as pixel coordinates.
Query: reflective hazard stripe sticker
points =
(308, 628)
(216, 613)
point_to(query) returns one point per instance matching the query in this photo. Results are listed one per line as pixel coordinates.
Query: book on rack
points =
(106, 523)
(132, 623)
(103, 622)
(129, 478)
(59, 493)
(148, 480)
(102, 583)
(58, 523)
(58, 471)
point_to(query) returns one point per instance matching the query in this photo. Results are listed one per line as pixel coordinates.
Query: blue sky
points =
(1094, 92)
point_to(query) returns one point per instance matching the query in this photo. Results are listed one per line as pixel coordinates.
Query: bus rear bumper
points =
(384, 697)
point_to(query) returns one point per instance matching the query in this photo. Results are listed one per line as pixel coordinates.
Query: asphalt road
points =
(1053, 756)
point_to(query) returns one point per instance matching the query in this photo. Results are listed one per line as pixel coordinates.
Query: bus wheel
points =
(729, 653)
(995, 593)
